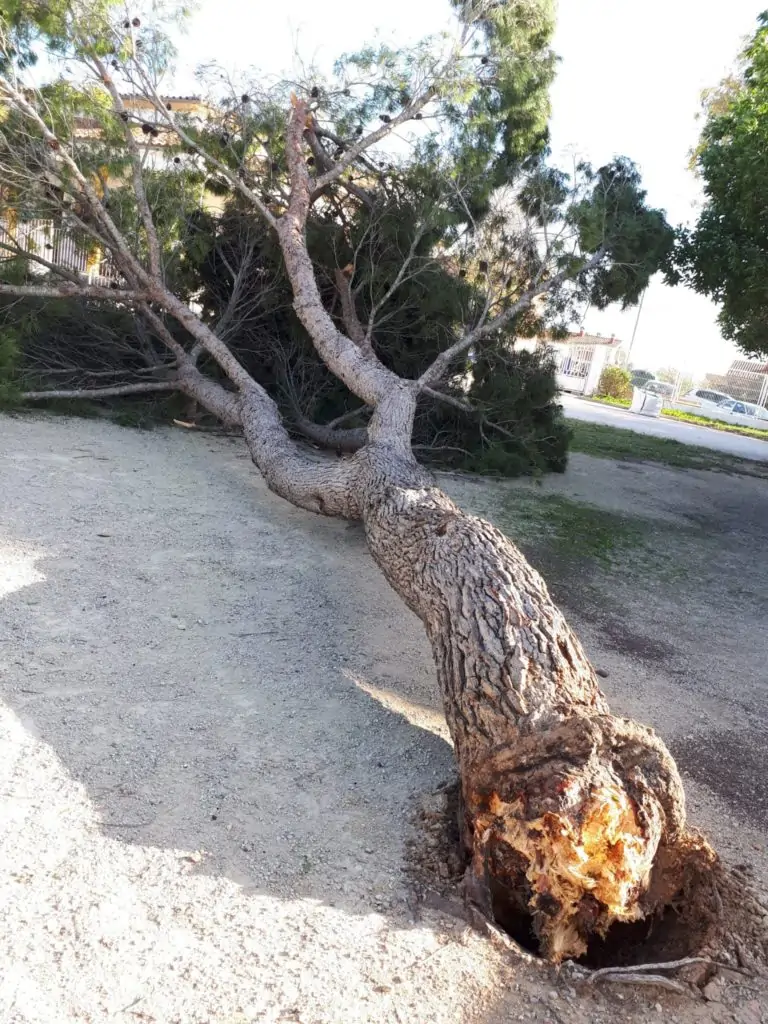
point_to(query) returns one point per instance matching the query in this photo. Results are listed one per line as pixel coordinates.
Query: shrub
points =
(9, 362)
(614, 383)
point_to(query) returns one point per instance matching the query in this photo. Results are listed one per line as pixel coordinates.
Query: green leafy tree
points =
(725, 254)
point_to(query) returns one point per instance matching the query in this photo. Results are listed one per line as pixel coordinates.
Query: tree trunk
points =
(571, 816)
(566, 808)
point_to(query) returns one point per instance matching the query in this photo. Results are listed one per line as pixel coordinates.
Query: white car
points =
(708, 396)
(659, 387)
(745, 409)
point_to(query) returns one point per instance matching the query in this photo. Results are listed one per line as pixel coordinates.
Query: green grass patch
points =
(626, 445)
(690, 417)
(622, 403)
(705, 421)
(573, 530)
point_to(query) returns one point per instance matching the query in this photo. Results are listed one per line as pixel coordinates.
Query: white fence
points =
(56, 244)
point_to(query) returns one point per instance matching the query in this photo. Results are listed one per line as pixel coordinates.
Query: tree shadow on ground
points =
(217, 671)
(229, 678)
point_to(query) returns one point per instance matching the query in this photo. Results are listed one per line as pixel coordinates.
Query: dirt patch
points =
(731, 763)
(621, 638)
(216, 722)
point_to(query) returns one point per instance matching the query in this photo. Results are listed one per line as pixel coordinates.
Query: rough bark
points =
(566, 808)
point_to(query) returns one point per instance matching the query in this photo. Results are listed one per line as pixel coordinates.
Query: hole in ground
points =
(662, 937)
(715, 910)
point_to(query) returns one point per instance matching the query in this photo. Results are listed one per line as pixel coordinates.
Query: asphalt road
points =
(688, 433)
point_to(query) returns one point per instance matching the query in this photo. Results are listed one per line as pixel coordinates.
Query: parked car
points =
(659, 387)
(745, 409)
(708, 396)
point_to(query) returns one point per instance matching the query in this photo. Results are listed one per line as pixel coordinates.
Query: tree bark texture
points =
(566, 808)
(570, 815)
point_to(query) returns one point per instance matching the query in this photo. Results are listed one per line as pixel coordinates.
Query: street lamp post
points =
(637, 321)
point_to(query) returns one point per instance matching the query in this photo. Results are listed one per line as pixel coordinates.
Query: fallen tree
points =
(570, 815)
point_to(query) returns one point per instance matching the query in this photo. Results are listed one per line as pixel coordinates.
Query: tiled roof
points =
(165, 99)
(581, 338)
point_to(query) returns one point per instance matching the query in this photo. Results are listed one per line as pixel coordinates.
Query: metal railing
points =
(57, 244)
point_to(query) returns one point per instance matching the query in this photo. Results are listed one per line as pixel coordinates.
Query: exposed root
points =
(574, 820)
(671, 965)
(699, 913)
(657, 980)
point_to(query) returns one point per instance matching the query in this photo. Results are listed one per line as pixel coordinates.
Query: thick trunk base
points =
(573, 819)
(708, 911)
(574, 823)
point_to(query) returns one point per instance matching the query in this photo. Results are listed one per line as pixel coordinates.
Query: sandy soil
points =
(217, 724)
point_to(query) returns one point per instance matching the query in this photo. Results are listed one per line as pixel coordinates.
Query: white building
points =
(580, 359)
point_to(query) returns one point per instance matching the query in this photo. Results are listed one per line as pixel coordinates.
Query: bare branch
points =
(419, 234)
(163, 333)
(355, 329)
(330, 437)
(225, 405)
(233, 179)
(17, 250)
(363, 374)
(457, 403)
(440, 365)
(113, 392)
(325, 163)
(354, 152)
(347, 416)
(67, 290)
(153, 243)
(20, 102)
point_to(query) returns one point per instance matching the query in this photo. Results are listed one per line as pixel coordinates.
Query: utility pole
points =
(637, 321)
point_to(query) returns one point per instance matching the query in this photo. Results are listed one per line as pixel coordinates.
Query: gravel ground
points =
(217, 723)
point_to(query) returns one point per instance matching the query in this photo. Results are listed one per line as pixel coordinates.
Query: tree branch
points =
(233, 179)
(419, 234)
(14, 248)
(449, 400)
(346, 416)
(354, 152)
(355, 329)
(67, 290)
(112, 392)
(225, 405)
(330, 437)
(437, 369)
(325, 163)
(163, 333)
(153, 243)
(20, 102)
(363, 374)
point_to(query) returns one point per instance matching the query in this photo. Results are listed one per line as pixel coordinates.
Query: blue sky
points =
(629, 83)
